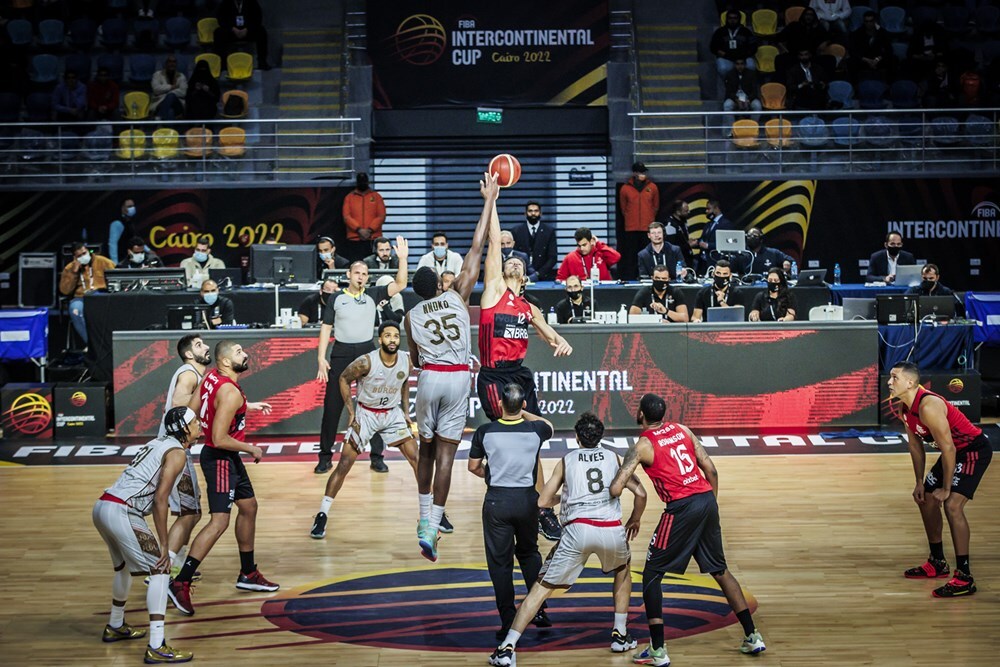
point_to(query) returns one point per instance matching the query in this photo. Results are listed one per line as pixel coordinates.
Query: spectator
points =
(660, 298)
(202, 94)
(676, 230)
(742, 89)
(776, 304)
(69, 100)
(939, 90)
(447, 280)
(383, 258)
(589, 253)
(507, 251)
(716, 222)
(930, 283)
(241, 21)
(871, 50)
(169, 91)
(639, 201)
(658, 252)
(221, 310)
(833, 15)
(806, 84)
(722, 293)
(311, 309)
(327, 257)
(882, 264)
(83, 275)
(197, 266)
(758, 259)
(103, 96)
(576, 307)
(806, 34)
(537, 240)
(928, 45)
(364, 215)
(733, 41)
(440, 258)
(121, 229)
(139, 257)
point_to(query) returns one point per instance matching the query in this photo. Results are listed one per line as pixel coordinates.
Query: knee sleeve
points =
(652, 594)
(156, 594)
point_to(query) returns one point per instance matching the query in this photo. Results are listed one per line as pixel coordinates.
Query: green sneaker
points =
(428, 544)
(648, 656)
(753, 644)
(422, 526)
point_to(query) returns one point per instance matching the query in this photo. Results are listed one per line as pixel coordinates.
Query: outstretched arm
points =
(402, 252)
(558, 343)
(493, 285)
(469, 274)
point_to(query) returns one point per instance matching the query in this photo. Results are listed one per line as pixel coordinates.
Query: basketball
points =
(507, 169)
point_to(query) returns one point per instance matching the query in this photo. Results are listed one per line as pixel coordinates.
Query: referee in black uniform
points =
(350, 316)
(510, 509)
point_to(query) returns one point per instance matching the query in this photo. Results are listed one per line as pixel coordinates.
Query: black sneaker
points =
(503, 656)
(621, 643)
(323, 466)
(959, 585)
(446, 526)
(318, 531)
(378, 465)
(548, 524)
(541, 620)
(931, 569)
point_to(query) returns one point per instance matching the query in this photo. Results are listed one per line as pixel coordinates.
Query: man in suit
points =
(882, 265)
(716, 221)
(658, 253)
(676, 230)
(383, 257)
(537, 240)
(507, 250)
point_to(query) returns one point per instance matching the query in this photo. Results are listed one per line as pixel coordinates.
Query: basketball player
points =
(592, 524)
(383, 403)
(222, 408)
(119, 515)
(503, 342)
(437, 332)
(686, 480)
(952, 480)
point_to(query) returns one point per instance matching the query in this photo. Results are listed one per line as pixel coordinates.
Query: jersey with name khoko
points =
(137, 484)
(353, 315)
(381, 388)
(440, 328)
(587, 475)
(209, 388)
(170, 394)
(503, 330)
(674, 471)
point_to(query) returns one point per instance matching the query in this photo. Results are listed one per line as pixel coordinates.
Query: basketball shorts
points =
(490, 384)
(442, 404)
(579, 540)
(185, 497)
(970, 466)
(390, 424)
(127, 535)
(226, 479)
(689, 526)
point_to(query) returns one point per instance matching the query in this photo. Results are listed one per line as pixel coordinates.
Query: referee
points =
(510, 508)
(350, 316)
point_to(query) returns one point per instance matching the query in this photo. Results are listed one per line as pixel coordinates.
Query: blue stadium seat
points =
(141, 67)
(114, 33)
(44, 68)
(903, 94)
(812, 131)
(858, 16)
(924, 15)
(82, 33)
(20, 32)
(51, 33)
(944, 131)
(877, 131)
(79, 64)
(842, 93)
(871, 94)
(177, 33)
(955, 19)
(893, 20)
(978, 130)
(115, 64)
(846, 131)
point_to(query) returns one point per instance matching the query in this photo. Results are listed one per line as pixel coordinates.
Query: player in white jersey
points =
(119, 516)
(437, 333)
(592, 524)
(382, 407)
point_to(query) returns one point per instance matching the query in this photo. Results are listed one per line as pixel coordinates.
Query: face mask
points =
(893, 252)
(773, 287)
(440, 251)
(137, 257)
(533, 219)
(506, 252)
(660, 285)
(574, 294)
(201, 257)
(326, 256)
(130, 211)
(927, 284)
(721, 282)
(210, 297)
(754, 242)
(84, 259)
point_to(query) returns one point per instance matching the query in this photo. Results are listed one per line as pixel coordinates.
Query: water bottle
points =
(678, 270)
(795, 270)
(622, 315)
(836, 274)
(595, 273)
(551, 318)
(135, 111)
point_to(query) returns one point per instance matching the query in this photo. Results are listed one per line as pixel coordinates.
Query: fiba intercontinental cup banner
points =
(456, 52)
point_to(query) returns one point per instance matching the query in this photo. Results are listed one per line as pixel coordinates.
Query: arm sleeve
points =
(68, 281)
(611, 256)
(543, 430)
(641, 298)
(379, 219)
(477, 451)
(644, 260)
(329, 314)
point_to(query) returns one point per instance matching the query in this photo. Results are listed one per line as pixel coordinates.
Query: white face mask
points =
(210, 297)
(440, 251)
(130, 211)
(137, 257)
(84, 259)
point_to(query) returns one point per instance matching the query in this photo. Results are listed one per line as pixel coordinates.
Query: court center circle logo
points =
(453, 609)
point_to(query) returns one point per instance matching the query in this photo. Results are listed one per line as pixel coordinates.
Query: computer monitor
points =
(895, 308)
(811, 277)
(188, 316)
(936, 307)
(283, 263)
(159, 278)
(908, 275)
(859, 309)
(725, 314)
(731, 240)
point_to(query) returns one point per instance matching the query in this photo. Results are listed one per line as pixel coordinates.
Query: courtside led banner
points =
(456, 52)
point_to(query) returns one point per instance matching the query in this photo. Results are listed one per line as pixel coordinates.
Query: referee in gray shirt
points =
(510, 509)
(350, 317)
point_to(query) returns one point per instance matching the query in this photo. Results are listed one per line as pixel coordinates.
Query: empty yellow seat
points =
(772, 96)
(793, 14)
(166, 144)
(206, 31)
(136, 105)
(214, 63)
(131, 144)
(240, 66)
(765, 58)
(746, 134)
(778, 132)
(232, 142)
(764, 22)
(197, 142)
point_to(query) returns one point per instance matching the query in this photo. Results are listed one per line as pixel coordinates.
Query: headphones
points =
(327, 239)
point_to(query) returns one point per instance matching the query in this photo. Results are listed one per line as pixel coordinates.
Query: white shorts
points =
(128, 537)
(185, 497)
(579, 540)
(390, 424)
(442, 404)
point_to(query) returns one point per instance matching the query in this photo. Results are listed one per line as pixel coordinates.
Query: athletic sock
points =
(656, 636)
(324, 507)
(155, 634)
(179, 559)
(426, 500)
(173, 557)
(621, 623)
(937, 550)
(188, 569)
(437, 511)
(511, 638)
(117, 616)
(746, 620)
(247, 564)
(962, 563)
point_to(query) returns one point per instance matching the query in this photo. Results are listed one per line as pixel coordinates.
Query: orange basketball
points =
(507, 169)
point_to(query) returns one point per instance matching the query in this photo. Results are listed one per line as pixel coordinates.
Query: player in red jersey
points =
(686, 480)
(952, 480)
(503, 343)
(222, 407)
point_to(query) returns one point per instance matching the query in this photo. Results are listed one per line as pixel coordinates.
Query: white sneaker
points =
(753, 644)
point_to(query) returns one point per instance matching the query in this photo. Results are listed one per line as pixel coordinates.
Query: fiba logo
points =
(420, 39)
(29, 414)
(986, 210)
(78, 399)
(955, 385)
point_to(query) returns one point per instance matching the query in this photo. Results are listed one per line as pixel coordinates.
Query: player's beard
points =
(206, 360)
(242, 368)
(389, 349)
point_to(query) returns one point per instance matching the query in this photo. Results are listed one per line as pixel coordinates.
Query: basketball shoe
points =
(541, 619)
(753, 644)
(548, 524)
(932, 569)
(255, 581)
(179, 593)
(166, 654)
(503, 656)
(126, 631)
(960, 584)
(318, 531)
(648, 656)
(429, 545)
(446, 526)
(174, 571)
(621, 643)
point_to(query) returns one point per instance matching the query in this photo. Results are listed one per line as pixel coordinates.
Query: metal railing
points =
(623, 38)
(843, 141)
(264, 150)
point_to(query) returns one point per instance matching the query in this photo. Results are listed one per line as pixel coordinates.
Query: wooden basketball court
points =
(819, 540)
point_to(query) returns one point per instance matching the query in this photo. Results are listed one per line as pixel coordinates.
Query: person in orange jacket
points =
(589, 252)
(364, 214)
(639, 201)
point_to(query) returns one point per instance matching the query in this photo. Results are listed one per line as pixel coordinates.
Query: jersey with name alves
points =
(503, 330)
(962, 430)
(587, 474)
(674, 471)
(210, 386)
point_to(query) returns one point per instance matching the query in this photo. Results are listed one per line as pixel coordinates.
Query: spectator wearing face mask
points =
(139, 257)
(930, 285)
(197, 266)
(722, 293)
(121, 229)
(507, 251)
(660, 298)
(83, 275)
(576, 306)
(311, 309)
(221, 310)
(759, 258)
(440, 258)
(776, 304)
(328, 259)
(882, 264)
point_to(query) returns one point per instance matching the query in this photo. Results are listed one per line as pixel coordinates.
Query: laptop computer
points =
(858, 309)
(908, 275)
(725, 314)
(220, 276)
(895, 308)
(813, 277)
(731, 240)
(936, 307)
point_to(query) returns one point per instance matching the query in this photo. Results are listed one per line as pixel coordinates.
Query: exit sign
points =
(489, 115)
